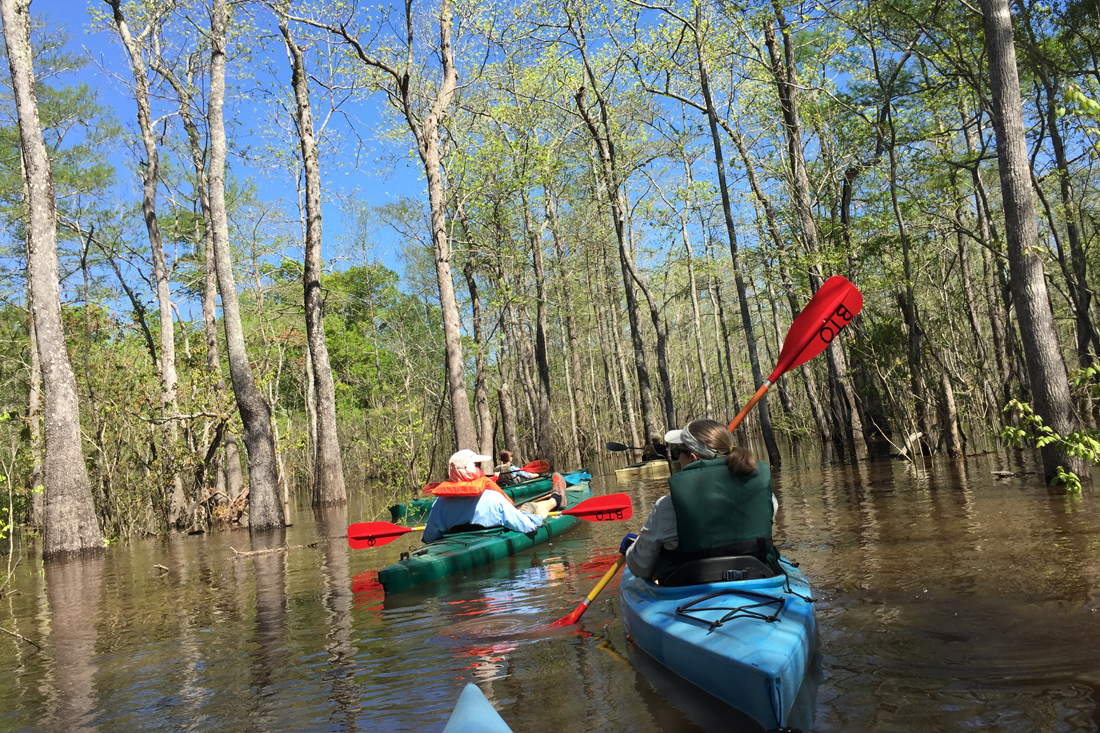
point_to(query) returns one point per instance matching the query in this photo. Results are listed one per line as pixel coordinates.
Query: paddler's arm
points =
(497, 512)
(658, 531)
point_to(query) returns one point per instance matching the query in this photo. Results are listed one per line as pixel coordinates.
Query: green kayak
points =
(414, 512)
(458, 552)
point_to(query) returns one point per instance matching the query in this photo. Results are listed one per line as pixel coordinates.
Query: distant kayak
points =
(747, 642)
(643, 471)
(455, 553)
(474, 713)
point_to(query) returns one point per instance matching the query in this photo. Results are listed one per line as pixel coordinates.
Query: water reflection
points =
(73, 593)
(336, 597)
(948, 598)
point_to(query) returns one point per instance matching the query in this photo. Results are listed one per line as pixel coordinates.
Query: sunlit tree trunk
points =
(328, 466)
(265, 509)
(783, 71)
(1045, 366)
(150, 181)
(70, 521)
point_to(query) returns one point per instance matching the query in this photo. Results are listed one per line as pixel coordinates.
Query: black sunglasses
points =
(675, 450)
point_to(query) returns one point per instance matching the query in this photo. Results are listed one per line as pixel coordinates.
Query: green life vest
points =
(718, 515)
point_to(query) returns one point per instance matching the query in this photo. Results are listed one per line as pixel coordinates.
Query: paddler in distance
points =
(720, 504)
(470, 501)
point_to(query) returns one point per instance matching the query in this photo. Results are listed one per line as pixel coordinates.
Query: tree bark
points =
(265, 509)
(949, 418)
(1045, 366)
(70, 522)
(786, 81)
(582, 431)
(328, 466)
(150, 181)
(763, 413)
(481, 389)
(34, 418)
(545, 432)
(606, 151)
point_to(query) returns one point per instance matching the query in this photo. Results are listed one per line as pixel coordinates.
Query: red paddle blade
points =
(610, 508)
(536, 467)
(362, 535)
(431, 487)
(833, 306)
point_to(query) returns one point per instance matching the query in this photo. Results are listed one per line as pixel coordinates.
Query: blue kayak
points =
(474, 713)
(747, 642)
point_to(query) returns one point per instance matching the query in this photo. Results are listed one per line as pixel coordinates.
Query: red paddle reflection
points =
(367, 591)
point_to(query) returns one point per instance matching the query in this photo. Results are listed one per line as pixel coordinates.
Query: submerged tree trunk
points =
(265, 509)
(328, 466)
(70, 523)
(1045, 366)
(949, 418)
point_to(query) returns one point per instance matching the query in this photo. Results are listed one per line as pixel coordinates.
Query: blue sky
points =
(371, 180)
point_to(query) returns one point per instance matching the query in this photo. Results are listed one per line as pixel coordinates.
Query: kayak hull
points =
(749, 662)
(650, 470)
(466, 550)
(473, 713)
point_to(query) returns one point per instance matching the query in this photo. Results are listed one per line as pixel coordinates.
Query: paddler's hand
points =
(627, 542)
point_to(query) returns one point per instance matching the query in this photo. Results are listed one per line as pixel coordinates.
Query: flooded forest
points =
(267, 264)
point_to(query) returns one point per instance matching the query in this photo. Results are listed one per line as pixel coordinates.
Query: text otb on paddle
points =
(836, 321)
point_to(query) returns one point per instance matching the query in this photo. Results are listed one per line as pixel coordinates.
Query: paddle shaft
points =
(749, 405)
(575, 616)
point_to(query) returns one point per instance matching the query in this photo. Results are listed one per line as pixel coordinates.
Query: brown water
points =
(947, 599)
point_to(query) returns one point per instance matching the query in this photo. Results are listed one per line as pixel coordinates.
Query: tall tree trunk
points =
(786, 81)
(545, 432)
(34, 418)
(909, 303)
(328, 467)
(481, 389)
(990, 267)
(606, 150)
(507, 411)
(700, 354)
(185, 93)
(150, 180)
(265, 509)
(949, 418)
(1045, 366)
(70, 525)
(582, 432)
(763, 411)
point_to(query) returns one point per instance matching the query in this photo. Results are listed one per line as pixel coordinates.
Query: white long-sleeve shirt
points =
(488, 509)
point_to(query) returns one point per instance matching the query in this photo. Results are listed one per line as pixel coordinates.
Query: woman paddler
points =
(720, 504)
(471, 501)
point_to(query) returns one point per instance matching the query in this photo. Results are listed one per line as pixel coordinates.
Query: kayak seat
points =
(716, 570)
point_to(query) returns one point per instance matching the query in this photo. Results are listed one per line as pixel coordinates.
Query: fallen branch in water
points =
(161, 567)
(17, 635)
(284, 548)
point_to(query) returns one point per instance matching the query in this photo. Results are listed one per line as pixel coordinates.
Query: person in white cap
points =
(470, 501)
(720, 504)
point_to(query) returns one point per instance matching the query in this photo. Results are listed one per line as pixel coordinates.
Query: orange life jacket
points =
(474, 487)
